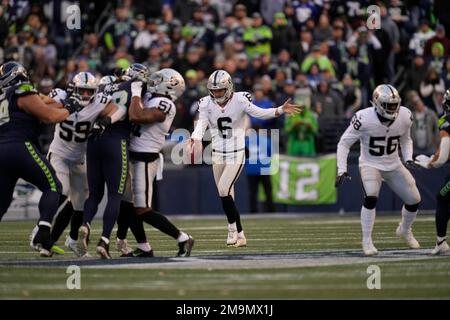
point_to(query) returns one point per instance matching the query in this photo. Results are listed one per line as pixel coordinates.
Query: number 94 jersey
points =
(379, 142)
(151, 137)
(70, 136)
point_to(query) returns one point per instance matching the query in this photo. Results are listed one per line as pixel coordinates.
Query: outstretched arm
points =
(350, 136)
(33, 104)
(261, 113)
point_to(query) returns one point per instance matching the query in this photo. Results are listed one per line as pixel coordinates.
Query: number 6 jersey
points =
(379, 142)
(71, 135)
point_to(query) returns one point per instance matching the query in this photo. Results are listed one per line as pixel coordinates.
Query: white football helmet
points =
(85, 87)
(220, 79)
(167, 82)
(386, 101)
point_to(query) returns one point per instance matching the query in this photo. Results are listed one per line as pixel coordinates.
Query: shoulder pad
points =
(24, 88)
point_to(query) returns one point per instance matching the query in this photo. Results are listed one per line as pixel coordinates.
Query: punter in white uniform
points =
(223, 111)
(67, 151)
(382, 129)
(153, 120)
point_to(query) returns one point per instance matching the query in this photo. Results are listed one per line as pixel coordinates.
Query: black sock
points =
(442, 215)
(137, 228)
(75, 224)
(62, 219)
(48, 205)
(123, 220)
(160, 222)
(231, 211)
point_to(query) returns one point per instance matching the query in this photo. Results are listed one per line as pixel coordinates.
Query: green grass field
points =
(286, 258)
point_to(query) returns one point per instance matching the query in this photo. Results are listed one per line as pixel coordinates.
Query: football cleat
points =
(232, 237)
(43, 241)
(103, 249)
(123, 248)
(368, 248)
(72, 245)
(83, 239)
(185, 247)
(241, 240)
(408, 236)
(143, 254)
(441, 249)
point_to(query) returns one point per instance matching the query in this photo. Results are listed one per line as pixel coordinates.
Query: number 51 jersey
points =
(71, 135)
(379, 142)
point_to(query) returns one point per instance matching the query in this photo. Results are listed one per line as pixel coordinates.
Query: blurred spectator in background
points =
(326, 102)
(424, 130)
(391, 29)
(323, 31)
(352, 96)
(257, 37)
(430, 87)
(283, 62)
(416, 73)
(316, 57)
(301, 130)
(446, 73)
(439, 37)
(283, 34)
(417, 43)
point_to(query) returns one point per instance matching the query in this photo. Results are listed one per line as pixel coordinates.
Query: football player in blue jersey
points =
(21, 111)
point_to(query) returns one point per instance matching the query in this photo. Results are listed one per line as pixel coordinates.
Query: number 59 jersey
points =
(70, 136)
(151, 137)
(379, 142)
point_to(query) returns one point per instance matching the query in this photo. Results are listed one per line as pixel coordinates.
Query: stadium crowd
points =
(319, 53)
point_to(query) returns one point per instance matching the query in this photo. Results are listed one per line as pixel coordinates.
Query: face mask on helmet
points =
(220, 86)
(84, 88)
(386, 101)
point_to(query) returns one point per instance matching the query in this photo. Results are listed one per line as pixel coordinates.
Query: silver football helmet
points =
(167, 82)
(85, 87)
(386, 101)
(218, 80)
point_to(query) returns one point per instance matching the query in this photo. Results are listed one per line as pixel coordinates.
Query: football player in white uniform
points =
(436, 161)
(67, 151)
(223, 111)
(381, 130)
(153, 120)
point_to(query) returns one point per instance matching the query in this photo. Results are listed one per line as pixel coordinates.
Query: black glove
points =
(100, 125)
(412, 165)
(341, 178)
(72, 104)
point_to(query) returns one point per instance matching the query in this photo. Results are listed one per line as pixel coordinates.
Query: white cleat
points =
(72, 245)
(241, 240)
(123, 247)
(441, 249)
(368, 248)
(32, 235)
(408, 236)
(232, 237)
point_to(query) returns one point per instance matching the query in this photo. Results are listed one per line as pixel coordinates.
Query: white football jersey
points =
(70, 136)
(151, 137)
(379, 142)
(227, 124)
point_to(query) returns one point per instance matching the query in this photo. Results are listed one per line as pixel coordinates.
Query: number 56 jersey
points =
(379, 142)
(71, 135)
